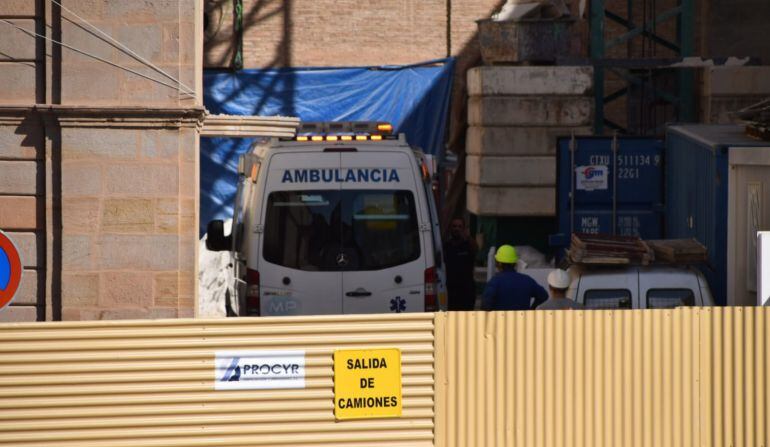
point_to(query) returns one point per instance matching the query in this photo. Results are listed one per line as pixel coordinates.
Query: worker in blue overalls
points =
(509, 289)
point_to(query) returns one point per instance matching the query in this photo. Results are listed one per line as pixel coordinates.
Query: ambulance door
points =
(385, 249)
(301, 215)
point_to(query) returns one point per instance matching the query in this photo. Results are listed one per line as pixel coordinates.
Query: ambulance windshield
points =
(333, 230)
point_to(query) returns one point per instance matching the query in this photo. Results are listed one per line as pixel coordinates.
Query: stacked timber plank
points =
(679, 251)
(516, 114)
(609, 250)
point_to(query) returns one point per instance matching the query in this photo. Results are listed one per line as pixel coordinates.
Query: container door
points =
(383, 213)
(603, 177)
(298, 258)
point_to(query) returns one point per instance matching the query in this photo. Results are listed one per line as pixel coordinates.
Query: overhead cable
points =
(124, 48)
(84, 53)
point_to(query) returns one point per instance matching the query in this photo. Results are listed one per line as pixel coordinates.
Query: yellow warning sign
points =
(367, 383)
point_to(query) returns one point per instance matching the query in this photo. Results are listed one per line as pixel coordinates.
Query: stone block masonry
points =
(22, 178)
(99, 164)
(126, 217)
(516, 116)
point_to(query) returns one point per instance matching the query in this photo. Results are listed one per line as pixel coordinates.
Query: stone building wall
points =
(98, 164)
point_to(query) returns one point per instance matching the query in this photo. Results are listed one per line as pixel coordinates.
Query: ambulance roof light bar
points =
(345, 127)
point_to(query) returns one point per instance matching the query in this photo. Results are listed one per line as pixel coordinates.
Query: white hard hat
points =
(559, 279)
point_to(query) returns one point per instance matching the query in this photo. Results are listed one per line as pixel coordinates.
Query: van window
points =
(607, 299)
(333, 230)
(669, 298)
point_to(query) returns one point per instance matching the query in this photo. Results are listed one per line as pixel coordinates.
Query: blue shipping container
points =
(696, 188)
(627, 182)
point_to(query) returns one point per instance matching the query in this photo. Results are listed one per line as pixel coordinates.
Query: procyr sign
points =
(367, 383)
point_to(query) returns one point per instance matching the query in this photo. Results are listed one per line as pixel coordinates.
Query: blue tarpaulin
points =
(414, 98)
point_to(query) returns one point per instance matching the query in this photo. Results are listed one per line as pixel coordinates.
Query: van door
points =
(301, 217)
(609, 289)
(383, 215)
(664, 289)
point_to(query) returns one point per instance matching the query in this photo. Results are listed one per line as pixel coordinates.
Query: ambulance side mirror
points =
(215, 236)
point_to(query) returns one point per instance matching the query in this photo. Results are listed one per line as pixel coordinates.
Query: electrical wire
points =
(125, 49)
(84, 53)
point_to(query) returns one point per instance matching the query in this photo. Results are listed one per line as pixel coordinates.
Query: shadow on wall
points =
(262, 10)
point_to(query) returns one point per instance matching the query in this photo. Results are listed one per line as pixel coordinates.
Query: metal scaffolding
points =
(655, 91)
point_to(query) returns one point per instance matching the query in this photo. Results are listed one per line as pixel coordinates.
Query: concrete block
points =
(80, 215)
(187, 245)
(160, 145)
(510, 171)
(91, 10)
(158, 313)
(16, 44)
(85, 81)
(77, 252)
(20, 177)
(18, 314)
(144, 39)
(546, 80)
(125, 289)
(128, 216)
(167, 216)
(719, 109)
(139, 252)
(80, 314)
(171, 42)
(77, 37)
(186, 284)
(530, 111)
(187, 39)
(21, 75)
(511, 201)
(186, 303)
(166, 289)
(18, 213)
(30, 247)
(80, 290)
(24, 141)
(188, 181)
(143, 179)
(146, 11)
(108, 144)
(17, 8)
(751, 80)
(124, 314)
(81, 179)
(188, 222)
(27, 293)
(518, 140)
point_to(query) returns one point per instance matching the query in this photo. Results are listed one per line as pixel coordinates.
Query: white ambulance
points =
(338, 220)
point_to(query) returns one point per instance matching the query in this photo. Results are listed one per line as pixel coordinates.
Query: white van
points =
(651, 287)
(339, 220)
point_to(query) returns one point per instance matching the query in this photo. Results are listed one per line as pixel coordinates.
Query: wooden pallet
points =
(609, 250)
(679, 250)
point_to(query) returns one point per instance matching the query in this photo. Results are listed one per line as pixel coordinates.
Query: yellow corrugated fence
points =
(151, 383)
(684, 377)
(691, 377)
